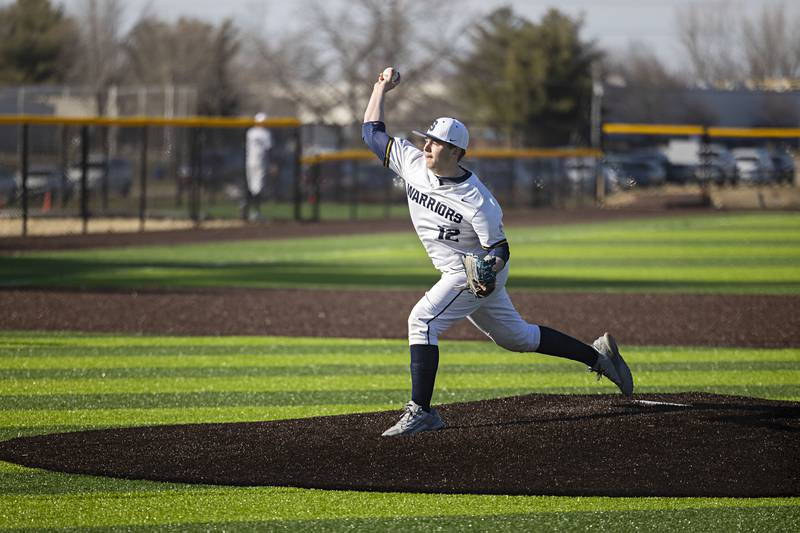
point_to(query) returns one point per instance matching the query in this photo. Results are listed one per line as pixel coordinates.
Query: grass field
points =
(69, 382)
(732, 253)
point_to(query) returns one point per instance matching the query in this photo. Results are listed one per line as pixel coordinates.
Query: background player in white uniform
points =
(455, 214)
(257, 146)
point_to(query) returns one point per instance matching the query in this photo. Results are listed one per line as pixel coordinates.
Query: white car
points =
(41, 179)
(754, 165)
(118, 172)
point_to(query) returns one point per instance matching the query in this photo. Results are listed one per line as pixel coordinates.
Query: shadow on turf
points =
(599, 445)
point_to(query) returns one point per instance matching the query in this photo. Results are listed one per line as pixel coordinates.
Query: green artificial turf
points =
(60, 382)
(718, 253)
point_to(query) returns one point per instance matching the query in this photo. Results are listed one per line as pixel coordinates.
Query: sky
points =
(616, 25)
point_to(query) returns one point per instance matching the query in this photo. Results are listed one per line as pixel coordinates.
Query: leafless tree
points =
(727, 48)
(640, 66)
(642, 88)
(190, 52)
(772, 44)
(331, 62)
(100, 60)
(709, 32)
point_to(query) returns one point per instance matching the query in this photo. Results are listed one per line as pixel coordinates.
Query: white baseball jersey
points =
(451, 219)
(259, 141)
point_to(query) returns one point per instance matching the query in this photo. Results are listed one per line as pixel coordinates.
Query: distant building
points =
(709, 107)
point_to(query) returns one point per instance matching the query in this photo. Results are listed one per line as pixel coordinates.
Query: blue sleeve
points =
(501, 250)
(374, 134)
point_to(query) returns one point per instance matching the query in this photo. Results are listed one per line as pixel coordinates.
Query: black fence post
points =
(143, 179)
(84, 178)
(600, 175)
(106, 152)
(317, 176)
(64, 157)
(192, 172)
(298, 174)
(197, 175)
(352, 170)
(512, 181)
(23, 170)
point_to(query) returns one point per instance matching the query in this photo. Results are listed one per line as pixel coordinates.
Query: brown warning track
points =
(667, 319)
(600, 445)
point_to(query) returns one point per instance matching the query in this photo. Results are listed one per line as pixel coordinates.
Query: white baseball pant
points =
(448, 301)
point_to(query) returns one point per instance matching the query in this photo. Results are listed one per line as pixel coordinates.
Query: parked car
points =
(783, 162)
(681, 173)
(42, 179)
(117, 171)
(637, 170)
(754, 165)
(718, 165)
(8, 187)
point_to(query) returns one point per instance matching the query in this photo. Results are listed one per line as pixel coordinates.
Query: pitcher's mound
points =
(690, 444)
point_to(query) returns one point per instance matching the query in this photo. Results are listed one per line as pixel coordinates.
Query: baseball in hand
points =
(390, 74)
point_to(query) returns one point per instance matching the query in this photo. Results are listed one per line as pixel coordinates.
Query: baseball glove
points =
(480, 275)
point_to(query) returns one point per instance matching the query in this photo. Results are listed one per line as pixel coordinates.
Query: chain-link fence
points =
(354, 184)
(194, 169)
(137, 168)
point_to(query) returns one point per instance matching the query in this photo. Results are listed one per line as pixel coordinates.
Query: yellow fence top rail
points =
(523, 153)
(690, 129)
(533, 153)
(755, 132)
(652, 129)
(208, 122)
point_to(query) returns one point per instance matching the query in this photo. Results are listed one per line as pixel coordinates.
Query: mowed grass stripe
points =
(735, 253)
(182, 415)
(44, 350)
(257, 504)
(392, 397)
(366, 370)
(77, 409)
(349, 382)
(736, 519)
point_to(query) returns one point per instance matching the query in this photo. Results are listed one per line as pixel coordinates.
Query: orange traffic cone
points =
(48, 202)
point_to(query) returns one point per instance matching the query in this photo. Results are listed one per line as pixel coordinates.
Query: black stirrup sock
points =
(424, 364)
(554, 342)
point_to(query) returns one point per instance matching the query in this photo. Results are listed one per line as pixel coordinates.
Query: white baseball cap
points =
(448, 130)
(260, 117)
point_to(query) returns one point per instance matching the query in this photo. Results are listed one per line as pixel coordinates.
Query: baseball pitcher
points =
(460, 225)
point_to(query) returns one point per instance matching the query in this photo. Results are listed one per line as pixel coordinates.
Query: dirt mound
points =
(691, 444)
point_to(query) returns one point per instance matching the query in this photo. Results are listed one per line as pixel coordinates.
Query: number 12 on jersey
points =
(448, 234)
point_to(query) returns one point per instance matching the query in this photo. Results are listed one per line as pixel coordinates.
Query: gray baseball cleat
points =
(611, 364)
(414, 420)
